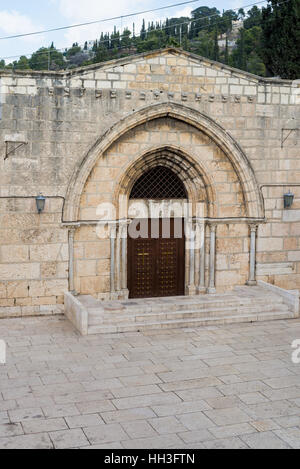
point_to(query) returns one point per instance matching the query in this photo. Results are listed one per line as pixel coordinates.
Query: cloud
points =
(95, 9)
(12, 22)
(78, 11)
(236, 4)
(185, 12)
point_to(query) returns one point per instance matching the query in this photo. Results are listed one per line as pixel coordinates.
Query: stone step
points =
(190, 323)
(184, 305)
(141, 317)
(243, 304)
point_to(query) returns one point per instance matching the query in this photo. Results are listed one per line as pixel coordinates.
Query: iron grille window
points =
(159, 183)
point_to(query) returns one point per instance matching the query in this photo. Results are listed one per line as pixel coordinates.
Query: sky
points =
(21, 16)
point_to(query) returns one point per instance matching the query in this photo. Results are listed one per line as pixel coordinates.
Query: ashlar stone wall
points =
(67, 121)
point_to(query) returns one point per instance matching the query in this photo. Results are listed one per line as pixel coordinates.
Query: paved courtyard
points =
(229, 386)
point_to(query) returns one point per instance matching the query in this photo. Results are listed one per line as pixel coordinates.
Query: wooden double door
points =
(156, 261)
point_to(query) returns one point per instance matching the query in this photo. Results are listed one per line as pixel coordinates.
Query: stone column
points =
(252, 271)
(191, 250)
(212, 259)
(197, 261)
(201, 286)
(71, 261)
(113, 233)
(124, 235)
(118, 258)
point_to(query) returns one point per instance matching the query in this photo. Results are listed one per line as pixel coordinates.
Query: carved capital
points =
(72, 229)
(253, 227)
(213, 227)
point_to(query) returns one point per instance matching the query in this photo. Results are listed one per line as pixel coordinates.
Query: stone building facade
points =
(82, 138)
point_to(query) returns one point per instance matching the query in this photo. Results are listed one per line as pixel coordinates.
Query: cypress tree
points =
(216, 46)
(226, 51)
(281, 38)
(143, 31)
(242, 61)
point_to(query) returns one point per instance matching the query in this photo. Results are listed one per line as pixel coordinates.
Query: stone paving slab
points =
(231, 386)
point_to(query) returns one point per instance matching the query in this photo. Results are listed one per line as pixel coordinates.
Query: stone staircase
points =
(244, 304)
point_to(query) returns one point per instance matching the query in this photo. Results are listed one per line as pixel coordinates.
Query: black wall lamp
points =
(40, 203)
(288, 199)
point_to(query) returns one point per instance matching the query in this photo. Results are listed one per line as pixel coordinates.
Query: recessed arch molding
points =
(252, 193)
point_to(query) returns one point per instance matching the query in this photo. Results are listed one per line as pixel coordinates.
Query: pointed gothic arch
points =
(251, 191)
(193, 175)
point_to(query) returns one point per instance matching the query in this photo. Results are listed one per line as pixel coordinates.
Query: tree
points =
(101, 54)
(239, 57)
(206, 18)
(79, 59)
(253, 40)
(115, 39)
(268, 44)
(204, 45)
(143, 31)
(281, 38)
(216, 46)
(185, 43)
(226, 54)
(75, 49)
(241, 14)
(46, 59)
(41, 59)
(254, 18)
(255, 65)
(225, 21)
(2, 64)
(125, 39)
(248, 53)
(172, 42)
(22, 63)
(151, 43)
(167, 28)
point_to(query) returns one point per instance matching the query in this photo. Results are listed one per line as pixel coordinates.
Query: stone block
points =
(291, 216)
(229, 278)
(275, 268)
(68, 439)
(99, 250)
(269, 244)
(48, 269)
(27, 271)
(130, 68)
(14, 254)
(49, 252)
(17, 289)
(3, 290)
(94, 285)
(294, 256)
(86, 268)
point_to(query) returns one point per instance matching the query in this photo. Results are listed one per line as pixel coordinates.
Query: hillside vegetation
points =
(264, 41)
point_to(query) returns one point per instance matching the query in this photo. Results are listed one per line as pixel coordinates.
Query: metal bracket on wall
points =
(9, 151)
(285, 133)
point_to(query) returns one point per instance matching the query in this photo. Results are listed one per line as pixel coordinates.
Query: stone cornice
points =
(137, 57)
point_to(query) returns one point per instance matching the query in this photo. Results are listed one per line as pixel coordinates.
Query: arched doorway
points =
(217, 178)
(156, 244)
